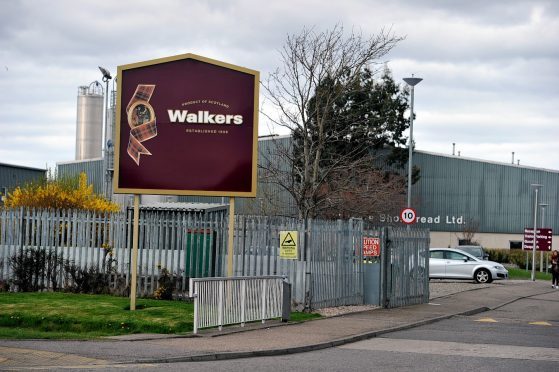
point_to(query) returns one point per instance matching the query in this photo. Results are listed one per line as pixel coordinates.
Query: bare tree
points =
(317, 68)
(469, 230)
(360, 191)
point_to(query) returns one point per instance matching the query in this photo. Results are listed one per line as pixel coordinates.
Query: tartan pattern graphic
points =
(143, 93)
(143, 132)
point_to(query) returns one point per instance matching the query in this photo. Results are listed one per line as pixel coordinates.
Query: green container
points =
(200, 253)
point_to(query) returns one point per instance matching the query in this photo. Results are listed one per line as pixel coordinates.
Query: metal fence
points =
(186, 245)
(223, 301)
(257, 251)
(328, 270)
(79, 237)
(405, 267)
(182, 245)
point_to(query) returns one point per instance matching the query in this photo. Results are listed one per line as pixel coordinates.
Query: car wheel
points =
(482, 276)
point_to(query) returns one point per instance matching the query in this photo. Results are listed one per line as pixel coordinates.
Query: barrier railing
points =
(234, 300)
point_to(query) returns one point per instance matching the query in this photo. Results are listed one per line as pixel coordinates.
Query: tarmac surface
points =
(271, 338)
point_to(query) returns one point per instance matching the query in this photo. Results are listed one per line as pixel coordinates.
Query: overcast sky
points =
(490, 68)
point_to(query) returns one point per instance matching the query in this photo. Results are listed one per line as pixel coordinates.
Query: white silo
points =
(89, 123)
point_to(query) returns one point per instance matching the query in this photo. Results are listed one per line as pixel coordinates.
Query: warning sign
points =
(288, 245)
(371, 247)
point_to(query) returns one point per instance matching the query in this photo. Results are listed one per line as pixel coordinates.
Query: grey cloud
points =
(494, 12)
(488, 57)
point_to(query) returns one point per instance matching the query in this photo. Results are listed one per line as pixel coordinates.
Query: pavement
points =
(256, 339)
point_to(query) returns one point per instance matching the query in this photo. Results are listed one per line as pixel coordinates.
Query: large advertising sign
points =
(186, 125)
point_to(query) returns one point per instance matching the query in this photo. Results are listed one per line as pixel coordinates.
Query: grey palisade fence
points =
(185, 244)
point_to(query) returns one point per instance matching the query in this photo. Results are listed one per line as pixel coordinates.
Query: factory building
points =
(456, 197)
(12, 176)
(494, 201)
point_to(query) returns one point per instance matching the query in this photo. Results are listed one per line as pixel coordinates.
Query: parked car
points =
(475, 250)
(450, 263)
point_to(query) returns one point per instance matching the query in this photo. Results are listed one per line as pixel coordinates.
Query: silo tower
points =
(89, 124)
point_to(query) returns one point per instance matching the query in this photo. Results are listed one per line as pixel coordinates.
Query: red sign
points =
(371, 247)
(186, 125)
(543, 241)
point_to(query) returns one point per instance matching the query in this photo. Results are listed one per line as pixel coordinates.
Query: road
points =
(520, 336)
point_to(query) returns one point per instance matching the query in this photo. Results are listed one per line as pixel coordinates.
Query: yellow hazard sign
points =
(288, 245)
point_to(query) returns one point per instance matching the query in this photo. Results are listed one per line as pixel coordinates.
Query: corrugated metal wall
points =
(92, 168)
(12, 176)
(497, 197)
(271, 199)
(452, 191)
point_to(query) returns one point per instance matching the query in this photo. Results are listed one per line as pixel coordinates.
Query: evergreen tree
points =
(366, 117)
(364, 139)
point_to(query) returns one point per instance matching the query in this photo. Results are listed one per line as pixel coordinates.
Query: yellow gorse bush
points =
(60, 194)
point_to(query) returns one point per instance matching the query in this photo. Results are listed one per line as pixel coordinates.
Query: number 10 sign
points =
(408, 216)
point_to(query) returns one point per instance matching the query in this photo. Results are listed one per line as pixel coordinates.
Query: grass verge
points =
(67, 315)
(55, 315)
(527, 275)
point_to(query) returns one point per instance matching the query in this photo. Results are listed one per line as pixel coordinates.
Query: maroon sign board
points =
(543, 239)
(186, 125)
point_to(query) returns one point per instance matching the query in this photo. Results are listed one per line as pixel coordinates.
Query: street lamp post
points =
(542, 207)
(412, 82)
(106, 77)
(536, 189)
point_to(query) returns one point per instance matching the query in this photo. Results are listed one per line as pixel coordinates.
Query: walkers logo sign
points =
(186, 125)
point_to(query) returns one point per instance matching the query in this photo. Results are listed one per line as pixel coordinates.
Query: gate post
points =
(308, 263)
(385, 269)
(286, 305)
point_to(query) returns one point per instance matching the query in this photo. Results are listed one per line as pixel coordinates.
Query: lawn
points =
(79, 316)
(66, 315)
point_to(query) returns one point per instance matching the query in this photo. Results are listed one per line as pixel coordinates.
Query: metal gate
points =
(405, 267)
(336, 263)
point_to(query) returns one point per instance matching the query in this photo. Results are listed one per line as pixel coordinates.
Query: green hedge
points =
(514, 256)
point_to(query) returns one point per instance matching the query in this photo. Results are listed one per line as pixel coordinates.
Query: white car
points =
(449, 263)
